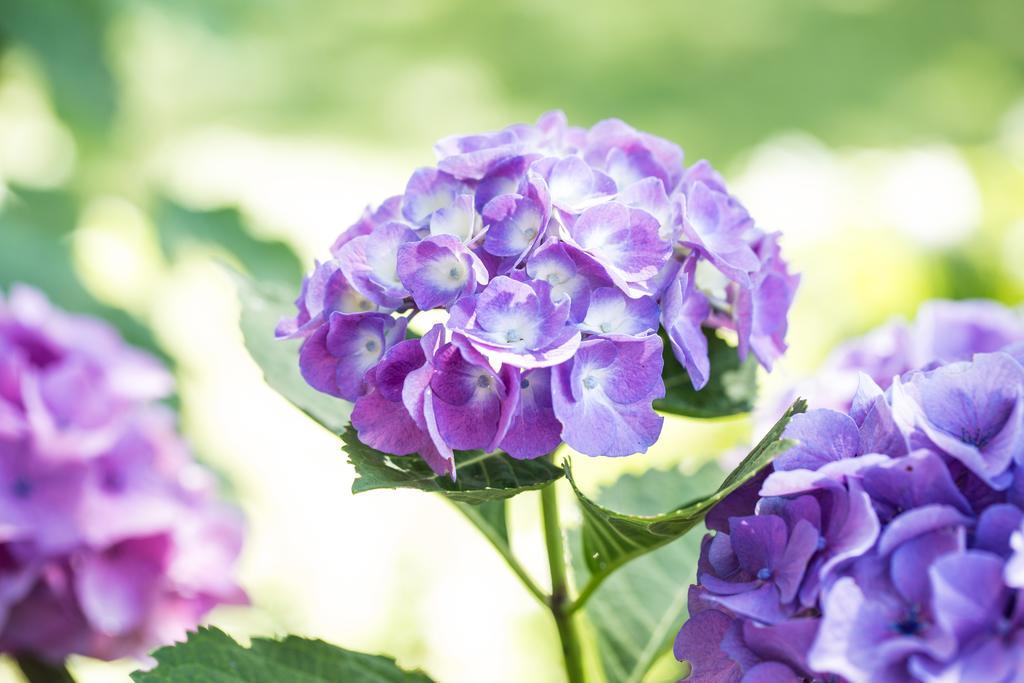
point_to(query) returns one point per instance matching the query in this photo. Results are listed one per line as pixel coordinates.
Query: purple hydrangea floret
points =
(553, 257)
(112, 538)
(887, 543)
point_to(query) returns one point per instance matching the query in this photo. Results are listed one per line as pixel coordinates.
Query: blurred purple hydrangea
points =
(887, 544)
(943, 331)
(558, 253)
(112, 539)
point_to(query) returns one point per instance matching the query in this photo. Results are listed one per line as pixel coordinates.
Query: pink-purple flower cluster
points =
(112, 540)
(557, 253)
(886, 545)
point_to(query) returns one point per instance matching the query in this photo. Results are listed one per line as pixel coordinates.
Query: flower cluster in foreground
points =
(886, 545)
(556, 253)
(111, 538)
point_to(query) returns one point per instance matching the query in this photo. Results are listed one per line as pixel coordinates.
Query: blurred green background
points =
(144, 141)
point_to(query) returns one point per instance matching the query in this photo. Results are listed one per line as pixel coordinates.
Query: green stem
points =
(40, 671)
(559, 601)
(504, 550)
(588, 590)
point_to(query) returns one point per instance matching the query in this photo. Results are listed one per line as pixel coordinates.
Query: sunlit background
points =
(145, 142)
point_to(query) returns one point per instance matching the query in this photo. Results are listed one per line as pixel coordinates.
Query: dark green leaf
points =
(480, 477)
(211, 656)
(263, 305)
(637, 610)
(731, 389)
(265, 260)
(610, 538)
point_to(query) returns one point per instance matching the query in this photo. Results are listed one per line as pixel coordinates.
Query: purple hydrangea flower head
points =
(112, 539)
(554, 255)
(914, 497)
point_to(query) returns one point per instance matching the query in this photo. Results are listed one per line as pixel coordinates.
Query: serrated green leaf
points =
(610, 538)
(638, 609)
(263, 306)
(480, 477)
(731, 389)
(211, 656)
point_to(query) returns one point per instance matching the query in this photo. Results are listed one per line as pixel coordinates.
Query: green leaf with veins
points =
(610, 538)
(211, 656)
(480, 477)
(638, 609)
